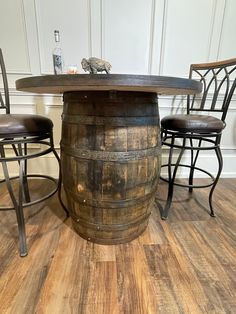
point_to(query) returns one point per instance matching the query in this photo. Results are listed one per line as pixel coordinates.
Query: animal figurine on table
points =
(94, 65)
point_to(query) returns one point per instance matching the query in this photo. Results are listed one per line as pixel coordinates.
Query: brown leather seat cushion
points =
(17, 125)
(192, 123)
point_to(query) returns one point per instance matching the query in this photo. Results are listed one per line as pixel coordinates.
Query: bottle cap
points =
(57, 36)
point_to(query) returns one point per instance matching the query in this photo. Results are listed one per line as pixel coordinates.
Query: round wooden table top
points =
(58, 84)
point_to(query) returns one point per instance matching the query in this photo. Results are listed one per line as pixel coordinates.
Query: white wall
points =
(159, 37)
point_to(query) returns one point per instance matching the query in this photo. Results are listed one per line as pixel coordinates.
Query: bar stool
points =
(201, 130)
(16, 132)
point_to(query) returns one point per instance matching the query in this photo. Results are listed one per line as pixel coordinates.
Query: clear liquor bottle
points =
(57, 54)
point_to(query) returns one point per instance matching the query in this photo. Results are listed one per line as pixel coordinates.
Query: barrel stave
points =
(110, 151)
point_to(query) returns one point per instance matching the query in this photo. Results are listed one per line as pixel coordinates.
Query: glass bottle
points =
(57, 54)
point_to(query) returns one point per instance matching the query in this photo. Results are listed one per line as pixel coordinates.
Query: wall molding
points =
(39, 35)
(25, 40)
(163, 36)
(102, 29)
(96, 28)
(156, 49)
(151, 36)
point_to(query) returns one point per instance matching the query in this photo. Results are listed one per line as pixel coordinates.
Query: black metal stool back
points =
(218, 81)
(17, 131)
(201, 128)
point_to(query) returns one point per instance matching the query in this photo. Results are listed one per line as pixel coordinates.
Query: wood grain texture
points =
(58, 84)
(183, 265)
(110, 146)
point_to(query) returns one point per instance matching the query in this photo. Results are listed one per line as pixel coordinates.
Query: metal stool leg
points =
(25, 181)
(60, 183)
(193, 163)
(220, 161)
(17, 205)
(20, 213)
(171, 177)
(19, 152)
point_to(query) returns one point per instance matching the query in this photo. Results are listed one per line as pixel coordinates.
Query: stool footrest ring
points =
(190, 185)
(54, 190)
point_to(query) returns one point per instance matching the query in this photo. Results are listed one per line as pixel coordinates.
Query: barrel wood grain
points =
(110, 146)
(58, 84)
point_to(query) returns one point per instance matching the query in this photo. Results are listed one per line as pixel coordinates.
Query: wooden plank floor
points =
(186, 264)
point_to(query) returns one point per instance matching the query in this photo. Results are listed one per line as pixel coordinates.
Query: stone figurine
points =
(94, 65)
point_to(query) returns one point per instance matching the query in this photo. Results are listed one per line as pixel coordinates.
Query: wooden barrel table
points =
(110, 148)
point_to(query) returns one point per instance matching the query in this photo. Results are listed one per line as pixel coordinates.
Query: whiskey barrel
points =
(110, 155)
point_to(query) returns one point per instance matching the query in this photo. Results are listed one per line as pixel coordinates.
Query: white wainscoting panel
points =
(228, 42)
(187, 35)
(126, 34)
(72, 19)
(136, 36)
(13, 39)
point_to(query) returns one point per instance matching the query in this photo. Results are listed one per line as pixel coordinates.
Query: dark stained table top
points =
(58, 84)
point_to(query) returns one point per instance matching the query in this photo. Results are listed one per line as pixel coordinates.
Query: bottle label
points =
(57, 64)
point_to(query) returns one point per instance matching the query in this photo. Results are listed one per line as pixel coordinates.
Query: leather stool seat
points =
(18, 125)
(192, 123)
